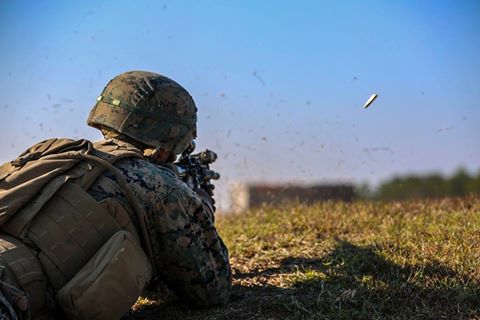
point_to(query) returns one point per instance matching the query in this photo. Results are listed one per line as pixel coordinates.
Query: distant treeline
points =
(461, 183)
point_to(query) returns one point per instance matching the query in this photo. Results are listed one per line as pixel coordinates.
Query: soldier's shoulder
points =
(154, 184)
(152, 181)
(146, 172)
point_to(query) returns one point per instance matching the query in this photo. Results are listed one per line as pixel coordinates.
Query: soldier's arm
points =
(189, 255)
(194, 262)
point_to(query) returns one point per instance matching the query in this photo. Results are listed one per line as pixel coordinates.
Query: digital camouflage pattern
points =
(189, 254)
(149, 108)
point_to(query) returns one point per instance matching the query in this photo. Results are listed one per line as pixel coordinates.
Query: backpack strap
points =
(50, 147)
(140, 213)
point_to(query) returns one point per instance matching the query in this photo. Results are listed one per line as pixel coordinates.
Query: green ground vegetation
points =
(363, 260)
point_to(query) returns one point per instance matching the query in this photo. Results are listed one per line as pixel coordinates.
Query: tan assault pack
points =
(78, 243)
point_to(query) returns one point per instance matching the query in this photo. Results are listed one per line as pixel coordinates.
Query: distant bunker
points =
(250, 196)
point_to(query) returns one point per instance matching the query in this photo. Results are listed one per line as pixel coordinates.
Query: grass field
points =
(409, 260)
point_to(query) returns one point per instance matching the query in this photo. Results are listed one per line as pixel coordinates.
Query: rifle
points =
(194, 169)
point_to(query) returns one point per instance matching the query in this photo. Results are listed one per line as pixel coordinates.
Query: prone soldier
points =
(84, 227)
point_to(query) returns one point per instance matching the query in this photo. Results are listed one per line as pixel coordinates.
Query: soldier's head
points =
(147, 109)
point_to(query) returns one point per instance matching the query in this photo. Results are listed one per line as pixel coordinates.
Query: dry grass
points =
(410, 260)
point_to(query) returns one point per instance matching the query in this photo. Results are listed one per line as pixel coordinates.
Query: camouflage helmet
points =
(148, 108)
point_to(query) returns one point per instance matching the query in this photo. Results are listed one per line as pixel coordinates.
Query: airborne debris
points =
(370, 100)
(259, 78)
(446, 129)
(374, 149)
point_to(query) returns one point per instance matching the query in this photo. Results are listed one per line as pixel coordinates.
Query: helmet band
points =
(126, 106)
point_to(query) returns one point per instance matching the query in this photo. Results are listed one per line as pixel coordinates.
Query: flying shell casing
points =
(370, 100)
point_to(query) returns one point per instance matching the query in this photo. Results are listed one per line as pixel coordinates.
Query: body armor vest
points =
(61, 240)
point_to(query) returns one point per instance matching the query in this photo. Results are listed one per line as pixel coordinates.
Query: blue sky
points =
(279, 84)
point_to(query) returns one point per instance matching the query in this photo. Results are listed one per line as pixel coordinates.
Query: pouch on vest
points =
(109, 283)
(69, 230)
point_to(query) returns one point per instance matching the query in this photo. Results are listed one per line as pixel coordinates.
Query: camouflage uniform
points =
(189, 254)
(143, 115)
